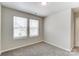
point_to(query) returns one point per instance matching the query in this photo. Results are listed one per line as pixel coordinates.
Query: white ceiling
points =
(37, 9)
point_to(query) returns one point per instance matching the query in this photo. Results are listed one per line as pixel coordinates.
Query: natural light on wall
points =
(20, 27)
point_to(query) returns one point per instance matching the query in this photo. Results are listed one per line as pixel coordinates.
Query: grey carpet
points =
(39, 49)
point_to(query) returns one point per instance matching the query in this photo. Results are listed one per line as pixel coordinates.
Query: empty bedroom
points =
(39, 28)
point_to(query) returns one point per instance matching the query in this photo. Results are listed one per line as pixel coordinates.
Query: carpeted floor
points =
(39, 49)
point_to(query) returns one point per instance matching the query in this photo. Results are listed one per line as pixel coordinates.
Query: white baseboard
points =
(57, 46)
(20, 46)
(35, 43)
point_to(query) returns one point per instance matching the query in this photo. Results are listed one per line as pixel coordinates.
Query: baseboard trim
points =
(57, 46)
(32, 44)
(20, 46)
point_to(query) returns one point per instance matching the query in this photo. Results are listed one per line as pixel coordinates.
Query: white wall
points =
(0, 28)
(58, 29)
(7, 26)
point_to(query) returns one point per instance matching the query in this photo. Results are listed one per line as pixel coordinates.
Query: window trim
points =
(38, 29)
(27, 29)
(24, 37)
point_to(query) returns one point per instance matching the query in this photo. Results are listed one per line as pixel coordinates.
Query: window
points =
(20, 27)
(33, 27)
(23, 28)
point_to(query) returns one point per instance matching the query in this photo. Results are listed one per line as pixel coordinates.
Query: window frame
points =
(27, 29)
(24, 37)
(38, 28)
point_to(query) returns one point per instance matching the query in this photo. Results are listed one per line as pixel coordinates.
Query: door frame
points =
(72, 31)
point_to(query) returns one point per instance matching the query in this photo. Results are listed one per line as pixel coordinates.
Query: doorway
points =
(76, 32)
(77, 29)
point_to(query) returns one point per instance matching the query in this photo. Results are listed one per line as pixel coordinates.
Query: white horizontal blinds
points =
(33, 28)
(20, 27)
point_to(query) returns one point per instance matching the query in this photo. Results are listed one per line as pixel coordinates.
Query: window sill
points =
(19, 38)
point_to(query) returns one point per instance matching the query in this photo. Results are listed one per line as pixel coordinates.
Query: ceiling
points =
(37, 9)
